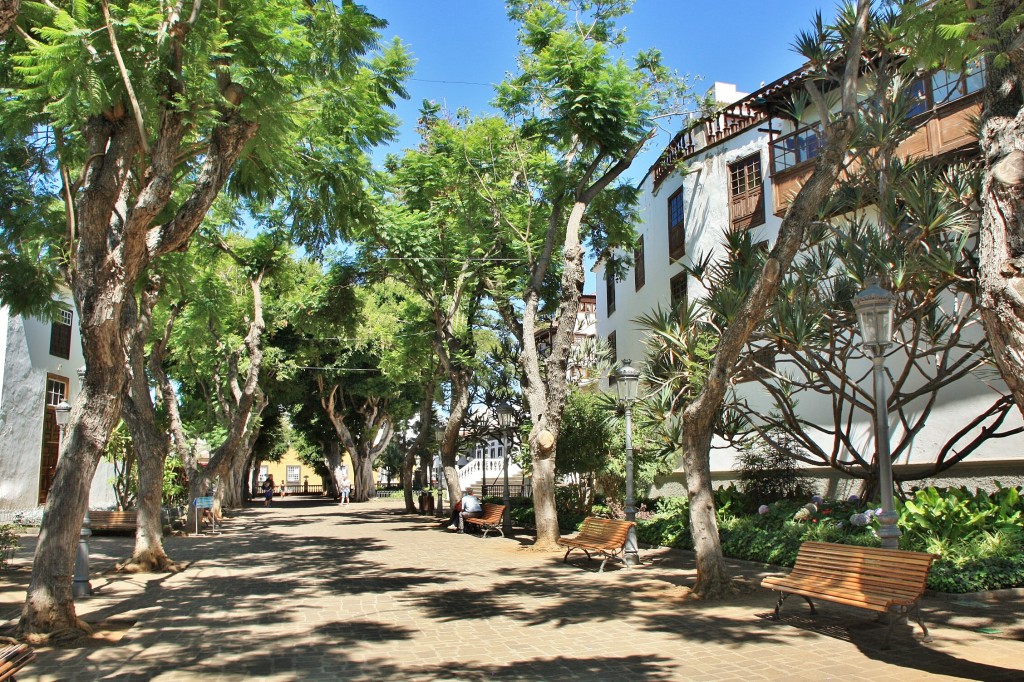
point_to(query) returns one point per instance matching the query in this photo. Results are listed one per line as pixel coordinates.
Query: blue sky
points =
(464, 47)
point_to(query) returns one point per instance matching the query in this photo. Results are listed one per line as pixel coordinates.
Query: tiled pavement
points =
(310, 591)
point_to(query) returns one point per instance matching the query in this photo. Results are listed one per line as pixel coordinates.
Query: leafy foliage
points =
(8, 543)
(768, 474)
(120, 452)
(979, 535)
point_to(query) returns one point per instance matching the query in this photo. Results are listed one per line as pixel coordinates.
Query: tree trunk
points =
(545, 392)
(115, 240)
(9, 10)
(419, 442)
(1001, 240)
(713, 577)
(49, 608)
(458, 408)
(150, 444)
(699, 417)
(365, 488)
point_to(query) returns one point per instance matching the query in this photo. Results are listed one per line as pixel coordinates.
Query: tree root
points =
(150, 564)
(735, 587)
(64, 636)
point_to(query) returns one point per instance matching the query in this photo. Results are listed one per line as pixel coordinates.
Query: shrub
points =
(985, 551)
(8, 543)
(768, 475)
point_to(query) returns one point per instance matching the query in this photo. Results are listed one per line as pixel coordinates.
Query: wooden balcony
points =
(941, 131)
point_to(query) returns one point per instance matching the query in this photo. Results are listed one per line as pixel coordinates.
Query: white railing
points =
(472, 474)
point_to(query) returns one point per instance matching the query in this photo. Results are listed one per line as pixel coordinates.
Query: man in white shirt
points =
(471, 508)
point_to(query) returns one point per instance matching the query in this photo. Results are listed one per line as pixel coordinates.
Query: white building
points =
(742, 165)
(39, 363)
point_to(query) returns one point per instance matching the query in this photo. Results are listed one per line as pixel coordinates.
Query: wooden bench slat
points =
(491, 519)
(866, 577)
(13, 658)
(605, 536)
(125, 521)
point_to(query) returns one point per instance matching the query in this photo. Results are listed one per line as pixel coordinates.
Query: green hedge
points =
(979, 536)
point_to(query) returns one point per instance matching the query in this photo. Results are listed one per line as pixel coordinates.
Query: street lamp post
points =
(874, 307)
(439, 469)
(505, 415)
(80, 586)
(626, 381)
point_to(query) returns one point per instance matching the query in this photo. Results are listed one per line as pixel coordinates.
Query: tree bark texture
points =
(150, 443)
(9, 10)
(1001, 240)
(712, 574)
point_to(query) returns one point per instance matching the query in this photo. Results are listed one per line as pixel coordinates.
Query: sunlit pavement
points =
(308, 590)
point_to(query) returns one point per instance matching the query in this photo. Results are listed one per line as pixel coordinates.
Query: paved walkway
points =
(311, 591)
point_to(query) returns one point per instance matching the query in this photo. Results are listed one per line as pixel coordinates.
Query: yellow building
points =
(296, 476)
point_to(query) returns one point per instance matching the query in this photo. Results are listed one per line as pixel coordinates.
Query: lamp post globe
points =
(62, 413)
(626, 381)
(875, 308)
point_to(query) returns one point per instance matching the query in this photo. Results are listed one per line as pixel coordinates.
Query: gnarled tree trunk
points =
(1001, 240)
(150, 443)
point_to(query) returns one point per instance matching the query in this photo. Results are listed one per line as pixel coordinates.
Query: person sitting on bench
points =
(470, 507)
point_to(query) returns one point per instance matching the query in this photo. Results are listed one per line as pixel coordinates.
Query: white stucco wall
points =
(706, 205)
(24, 363)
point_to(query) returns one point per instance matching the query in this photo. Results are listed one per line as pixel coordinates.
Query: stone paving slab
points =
(307, 590)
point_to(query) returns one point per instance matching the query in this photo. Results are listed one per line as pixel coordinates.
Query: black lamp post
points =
(505, 416)
(80, 586)
(874, 307)
(626, 381)
(439, 469)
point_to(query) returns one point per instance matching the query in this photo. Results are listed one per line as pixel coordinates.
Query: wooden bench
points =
(606, 537)
(491, 519)
(13, 658)
(113, 521)
(883, 580)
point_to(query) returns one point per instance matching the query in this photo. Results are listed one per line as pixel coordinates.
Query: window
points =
(639, 273)
(56, 390)
(945, 86)
(676, 229)
(796, 148)
(609, 283)
(292, 473)
(677, 289)
(60, 335)
(613, 353)
(746, 193)
(264, 472)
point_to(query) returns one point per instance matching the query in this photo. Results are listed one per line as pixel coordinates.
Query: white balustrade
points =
(472, 474)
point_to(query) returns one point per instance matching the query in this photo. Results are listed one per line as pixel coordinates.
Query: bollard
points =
(81, 587)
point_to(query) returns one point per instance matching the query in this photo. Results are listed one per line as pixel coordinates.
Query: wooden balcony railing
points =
(709, 131)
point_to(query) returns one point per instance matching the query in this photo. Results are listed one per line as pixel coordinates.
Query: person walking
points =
(268, 489)
(344, 484)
